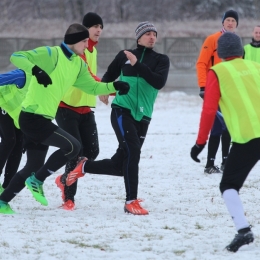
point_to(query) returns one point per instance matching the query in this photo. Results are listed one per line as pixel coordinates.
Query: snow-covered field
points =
(187, 220)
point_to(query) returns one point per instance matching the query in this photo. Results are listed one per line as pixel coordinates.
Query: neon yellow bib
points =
(252, 53)
(75, 97)
(240, 95)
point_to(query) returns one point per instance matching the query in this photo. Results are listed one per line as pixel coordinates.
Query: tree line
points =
(114, 11)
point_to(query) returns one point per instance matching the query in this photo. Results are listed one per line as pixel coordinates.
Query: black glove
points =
(195, 151)
(122, 87)
(41, 76)
(202, 91)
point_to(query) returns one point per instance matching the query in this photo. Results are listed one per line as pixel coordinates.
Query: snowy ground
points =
(187, 220)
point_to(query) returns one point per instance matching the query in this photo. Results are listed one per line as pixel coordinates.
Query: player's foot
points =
(68, 205)
(35, 187)
(135, 208)
(212, 169)
(5, 208)
(244, 237)
(78, 172)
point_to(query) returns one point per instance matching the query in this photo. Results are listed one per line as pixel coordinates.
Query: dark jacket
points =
(146, 77)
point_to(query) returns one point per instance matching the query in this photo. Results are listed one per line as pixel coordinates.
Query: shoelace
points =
(136, 204)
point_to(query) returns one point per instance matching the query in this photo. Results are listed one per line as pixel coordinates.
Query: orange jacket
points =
(207, 58)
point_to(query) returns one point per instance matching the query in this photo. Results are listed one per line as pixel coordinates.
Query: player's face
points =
(148, 39)
(256, 34)
(230, 24)
(80, 47)
(95, 32)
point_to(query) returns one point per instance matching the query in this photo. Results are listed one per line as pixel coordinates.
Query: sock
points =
(129, 201)
(83, 170)
(210, 162)
(213, 145)
(235, 208)
(224, 159)
(14, 187)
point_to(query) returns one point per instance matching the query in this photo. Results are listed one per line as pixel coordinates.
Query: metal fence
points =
(183, 54)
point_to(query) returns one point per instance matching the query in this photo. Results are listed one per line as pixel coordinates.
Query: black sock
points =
(14, 187)
(213, 145)
(244, 230)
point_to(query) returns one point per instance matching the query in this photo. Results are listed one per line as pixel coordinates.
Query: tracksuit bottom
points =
(11, 147)
(218, 132)
(39, 134)
(125, 162)
(241, 159)
(84, 128)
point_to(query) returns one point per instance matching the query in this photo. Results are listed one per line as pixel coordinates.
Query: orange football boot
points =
(77, 172)
(135, 208)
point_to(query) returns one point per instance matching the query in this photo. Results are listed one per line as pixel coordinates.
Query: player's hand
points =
(195, 151)
(202, 92)
(104, 99)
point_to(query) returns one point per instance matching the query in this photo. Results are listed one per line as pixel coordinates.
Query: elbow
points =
(160, 84)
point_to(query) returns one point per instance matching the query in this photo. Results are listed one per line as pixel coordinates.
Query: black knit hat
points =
(229, 45)
(90, 19)
(144, 27)
(230, 13)
(76, 33)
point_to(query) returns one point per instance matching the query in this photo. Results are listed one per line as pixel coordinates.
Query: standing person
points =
(207, 58)
(146, 71)
(234, 85)
(252, 50)
(75, 115)
(11, 145)
(57, 69)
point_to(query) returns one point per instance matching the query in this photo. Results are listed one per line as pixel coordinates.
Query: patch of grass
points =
(128, 235)
(5, 244)
(198, 226)
(169, 228)
(179, 252)
(83, 245)
(147, 249)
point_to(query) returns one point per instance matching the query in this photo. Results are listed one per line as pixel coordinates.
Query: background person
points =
(13, 89)
(252, 50)
(75, 114)
(57, 69)
(234, 85)
(146, 71)
(207, 58)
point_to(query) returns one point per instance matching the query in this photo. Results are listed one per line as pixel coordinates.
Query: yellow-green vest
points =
(11, 99)
(67, 72)
(252, 53)
(75, 97)
(240, 98)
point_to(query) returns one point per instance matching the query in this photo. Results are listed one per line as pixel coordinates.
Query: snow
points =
(187, 216)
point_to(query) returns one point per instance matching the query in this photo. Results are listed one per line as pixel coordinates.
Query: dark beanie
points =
(229, 45)
(230, 13)
(90, 19)
(144, 27)
(76, 33)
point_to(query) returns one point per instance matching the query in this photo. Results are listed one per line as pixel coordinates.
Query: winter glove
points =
(195, 151)
(41, 76)
(202, 91)
(122, 87)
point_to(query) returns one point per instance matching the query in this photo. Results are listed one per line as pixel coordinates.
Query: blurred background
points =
(182, 27)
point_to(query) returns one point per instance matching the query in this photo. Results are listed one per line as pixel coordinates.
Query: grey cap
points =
(143, 28)
(229, 45)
